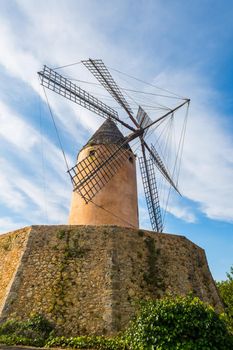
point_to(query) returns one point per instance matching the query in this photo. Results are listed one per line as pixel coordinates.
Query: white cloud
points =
(182, 212)
(7, 224)
(33, 189)
(12, 199)
(207, 167)
(26, 196)
(26, 139)
(16, 130)
(17, 61)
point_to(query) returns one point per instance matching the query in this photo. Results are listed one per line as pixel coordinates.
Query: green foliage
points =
(87, 342)
(33, 331)
(39, 324)
(181, 323)
(178, 323)
(226, 292)
(19, 340)
(61, 234)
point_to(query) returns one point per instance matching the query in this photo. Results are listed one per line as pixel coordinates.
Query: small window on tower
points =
(92, 153)
(131, 159)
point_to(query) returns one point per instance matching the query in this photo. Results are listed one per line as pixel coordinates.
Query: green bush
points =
(33, 331)
(19, 340)
(226, 292)
(181, 323)
(178, 323)
(87, 342)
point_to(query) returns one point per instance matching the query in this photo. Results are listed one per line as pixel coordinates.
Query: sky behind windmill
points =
(181, 45)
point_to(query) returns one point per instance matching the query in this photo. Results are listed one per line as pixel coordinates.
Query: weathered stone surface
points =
(12, 246)
(87, 279)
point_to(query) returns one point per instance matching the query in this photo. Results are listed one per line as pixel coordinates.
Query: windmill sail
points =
(62, 86)
(102, 74)
(143, 119)
(108, 150)
(151, 193)
(91, 174)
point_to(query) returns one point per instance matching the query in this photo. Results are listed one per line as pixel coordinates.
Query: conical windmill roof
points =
(108, 133)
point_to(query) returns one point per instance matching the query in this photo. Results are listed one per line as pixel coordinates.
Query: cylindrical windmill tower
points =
(109, 193)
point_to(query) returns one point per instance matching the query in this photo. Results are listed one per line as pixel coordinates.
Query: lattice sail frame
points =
(151, 193)
(102, 74)
(92, 173)
(64, 87)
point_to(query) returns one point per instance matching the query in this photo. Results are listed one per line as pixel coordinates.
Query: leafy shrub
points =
(87, 342)
(178, 323)
(226, 292)
(33, 331)
(19, 340)
(8, 327)
(181, 323)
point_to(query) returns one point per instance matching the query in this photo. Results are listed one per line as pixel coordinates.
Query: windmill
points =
(91, 174)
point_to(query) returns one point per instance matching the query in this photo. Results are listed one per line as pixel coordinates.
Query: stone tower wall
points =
(115, 204)
(12, 246)
(87, 279)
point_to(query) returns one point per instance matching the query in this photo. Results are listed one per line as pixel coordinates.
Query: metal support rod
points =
(164, 171)
(167, 114)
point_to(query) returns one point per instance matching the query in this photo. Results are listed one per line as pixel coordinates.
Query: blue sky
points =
(185, 46)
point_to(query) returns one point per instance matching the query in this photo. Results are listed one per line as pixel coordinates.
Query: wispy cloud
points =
(23, 178)
(207, 166)
(8, 224)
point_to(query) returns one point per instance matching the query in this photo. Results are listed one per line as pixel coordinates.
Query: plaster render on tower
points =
(116, 202)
